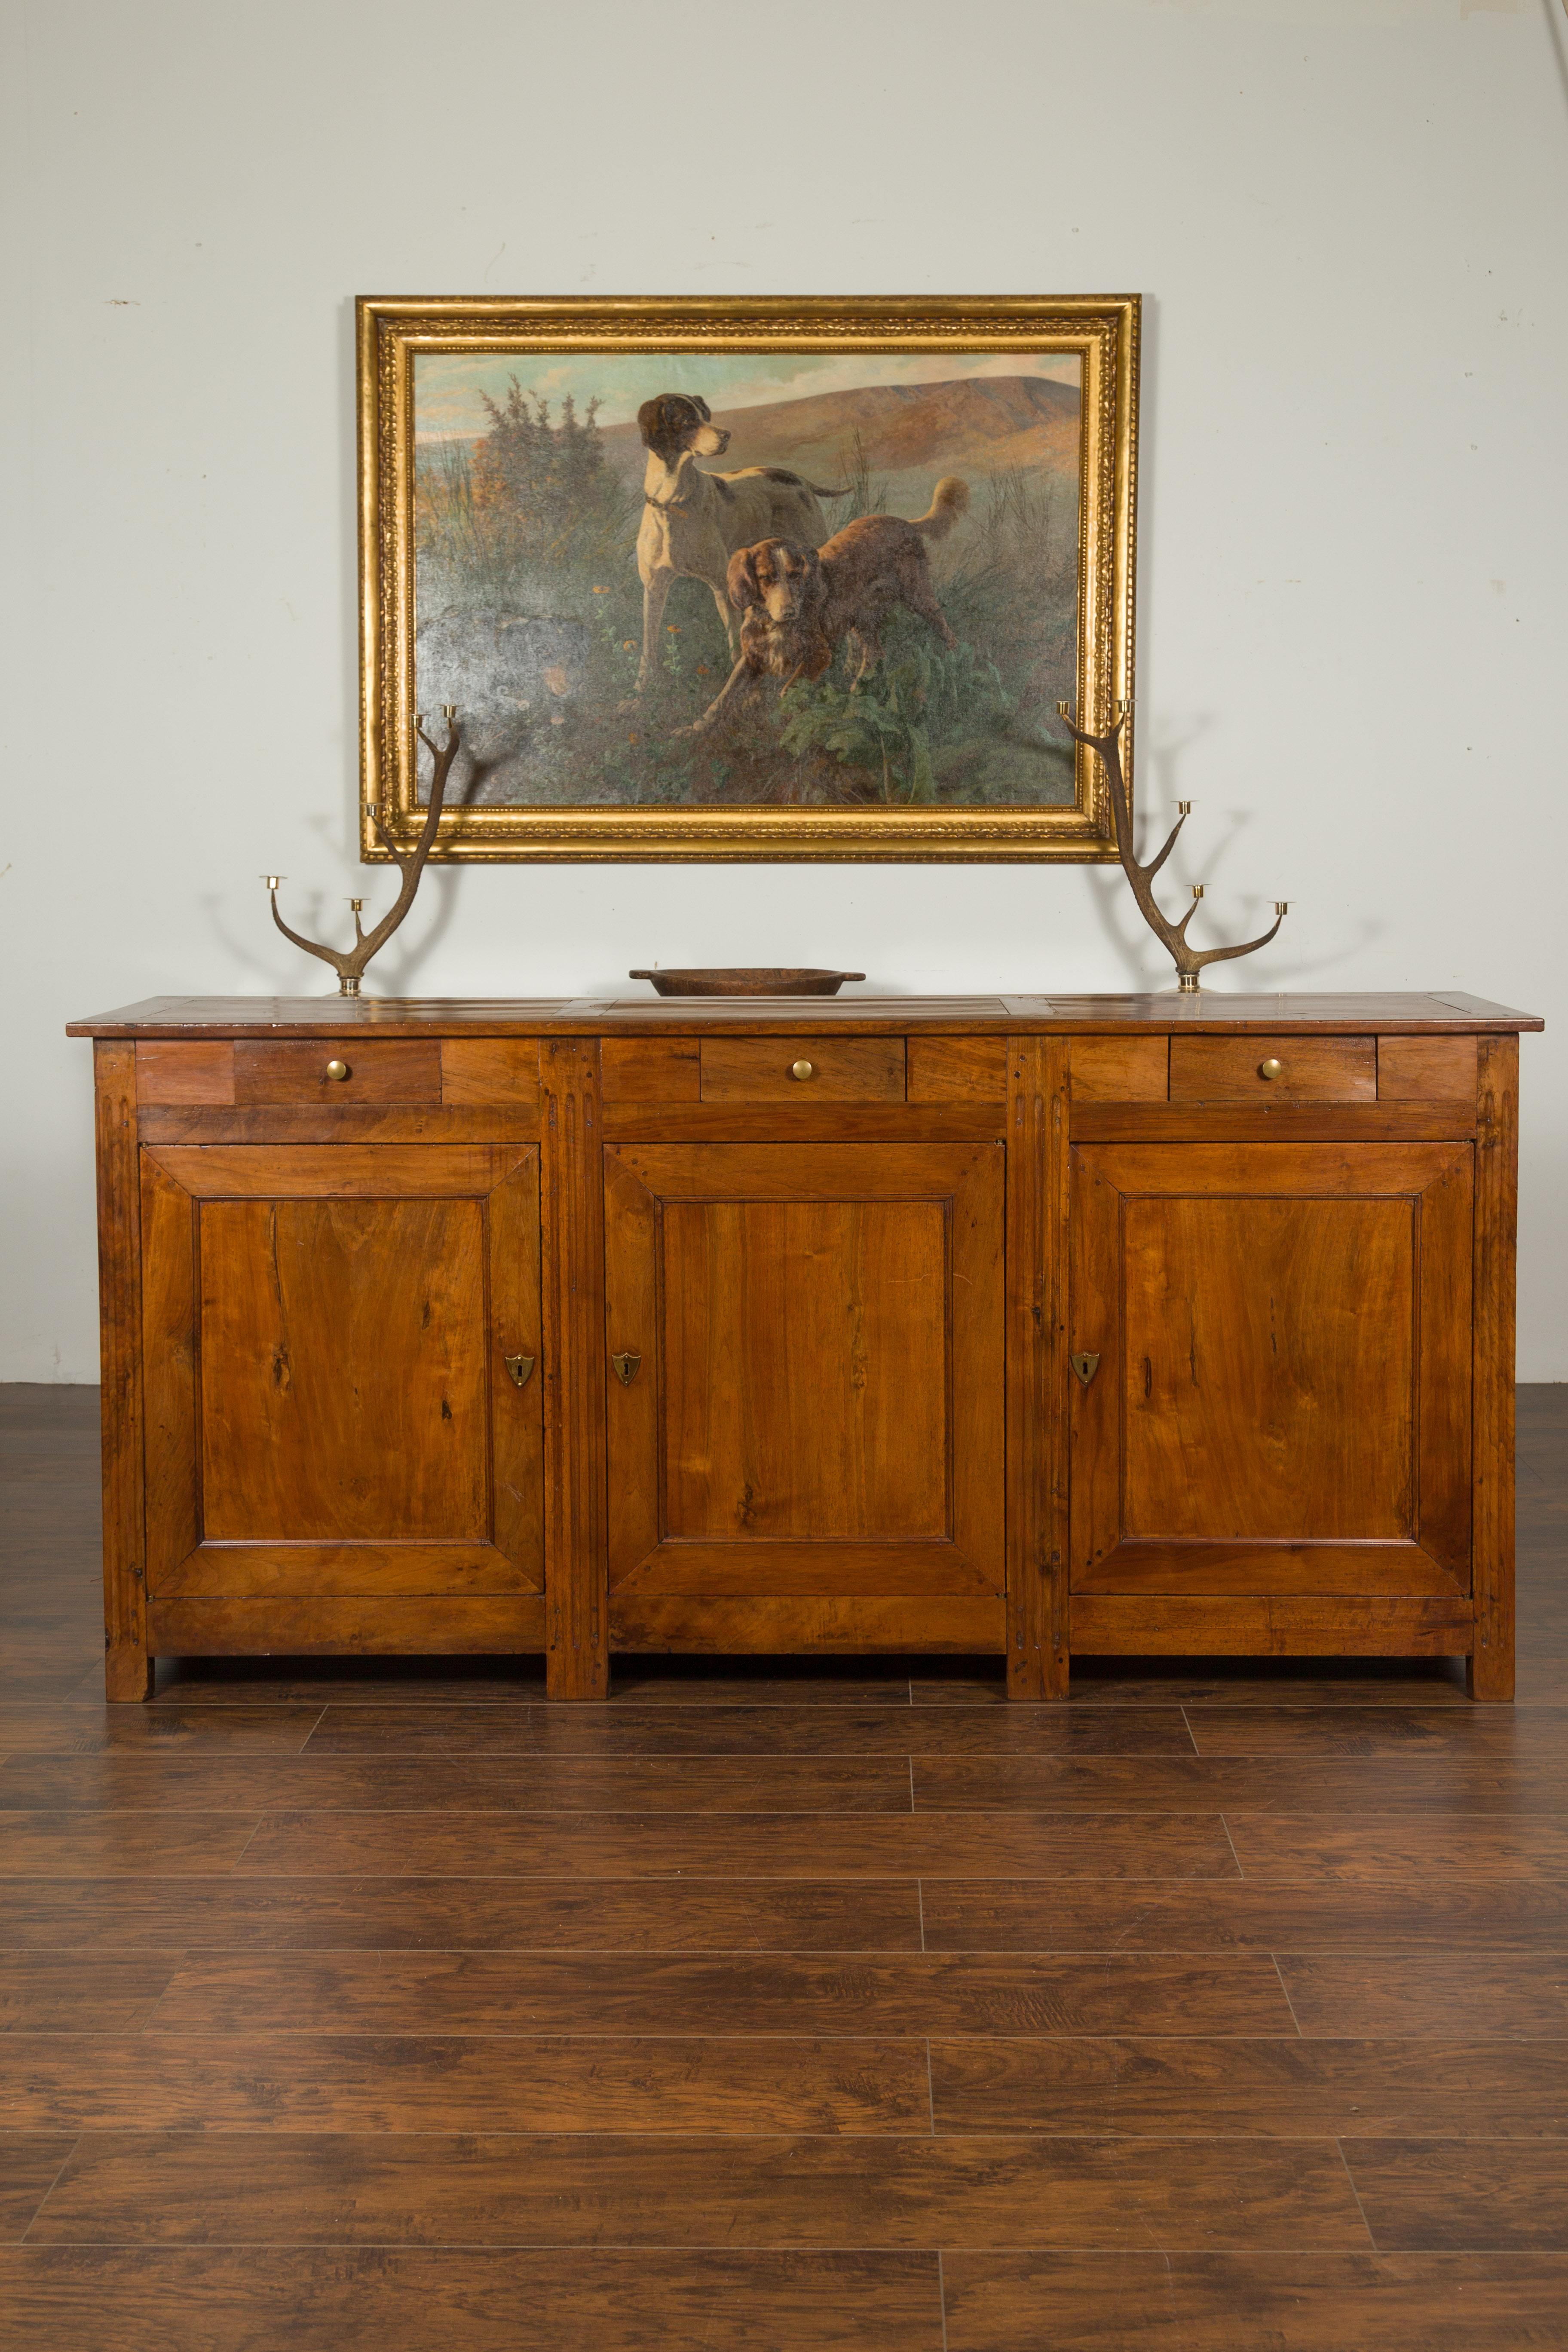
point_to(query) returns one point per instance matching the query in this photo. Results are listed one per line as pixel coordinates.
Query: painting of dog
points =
(693, 520)
(839, 576)
(815, 596)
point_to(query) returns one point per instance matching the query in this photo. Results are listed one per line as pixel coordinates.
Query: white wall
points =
(1348, 218)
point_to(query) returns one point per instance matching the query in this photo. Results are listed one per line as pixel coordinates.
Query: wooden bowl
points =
(743, 982)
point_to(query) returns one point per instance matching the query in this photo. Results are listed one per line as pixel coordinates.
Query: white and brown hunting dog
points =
(693, 523)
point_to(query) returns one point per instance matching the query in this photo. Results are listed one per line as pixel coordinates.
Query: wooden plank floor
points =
(767, 2010)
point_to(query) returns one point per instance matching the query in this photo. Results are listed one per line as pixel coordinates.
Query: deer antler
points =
(1189, 962)
(349, 965)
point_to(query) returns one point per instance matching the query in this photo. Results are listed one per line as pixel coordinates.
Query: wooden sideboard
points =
(1148, 1325)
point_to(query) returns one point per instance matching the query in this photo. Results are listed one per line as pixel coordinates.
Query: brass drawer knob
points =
(800, 1070)
(1271, 1068)
(337, 1070)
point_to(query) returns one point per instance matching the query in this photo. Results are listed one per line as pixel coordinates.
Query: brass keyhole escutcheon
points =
(338, 1070)
(800, 1070)
(519, 1368)
(626, 1367)
(1084, 1366)
(1271, 1068)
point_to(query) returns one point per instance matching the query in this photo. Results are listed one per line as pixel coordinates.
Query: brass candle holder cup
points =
(1189, 960)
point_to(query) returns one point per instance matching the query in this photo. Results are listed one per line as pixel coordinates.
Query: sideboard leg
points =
(127, 1674)
(1489, 1674)
(1040, 1674)
(576, 1559)
(575, 1674)
(1037, 1632)
(127, 1668)
(1489, 1669)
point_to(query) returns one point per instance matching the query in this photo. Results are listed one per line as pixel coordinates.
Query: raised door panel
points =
(1307, 1308)
(342, 1392)
(338, 1360)
(775, 1309)
(1282, 1402)
(816, 1410)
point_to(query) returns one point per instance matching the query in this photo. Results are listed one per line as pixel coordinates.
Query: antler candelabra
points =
(1189, 960)
(350, 963)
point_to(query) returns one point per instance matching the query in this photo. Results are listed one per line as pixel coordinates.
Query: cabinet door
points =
(1282, 1402)
(817, 1410)
(330, 1406)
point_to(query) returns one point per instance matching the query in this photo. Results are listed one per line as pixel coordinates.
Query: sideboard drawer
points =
(478, 1071)
(169, 1071)
(338, 1070)
(1427, 1070)
(1252, 1069)
(1120, 1069)
(802, 1069)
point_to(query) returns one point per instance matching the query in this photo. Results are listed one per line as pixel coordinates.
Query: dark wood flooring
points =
(774, 2009)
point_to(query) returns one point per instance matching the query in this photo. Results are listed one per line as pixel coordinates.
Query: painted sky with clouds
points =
(448, 386)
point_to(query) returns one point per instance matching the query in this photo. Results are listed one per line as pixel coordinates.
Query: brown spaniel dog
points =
(798, 602)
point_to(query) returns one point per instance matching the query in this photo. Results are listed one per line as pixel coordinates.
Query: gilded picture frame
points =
(542, 548)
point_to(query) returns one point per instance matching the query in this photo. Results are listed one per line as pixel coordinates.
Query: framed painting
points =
(749, 578)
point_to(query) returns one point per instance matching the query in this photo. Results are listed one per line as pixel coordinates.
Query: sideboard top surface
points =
(611, 1014)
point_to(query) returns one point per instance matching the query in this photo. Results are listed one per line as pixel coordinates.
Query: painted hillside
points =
(976, 424)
